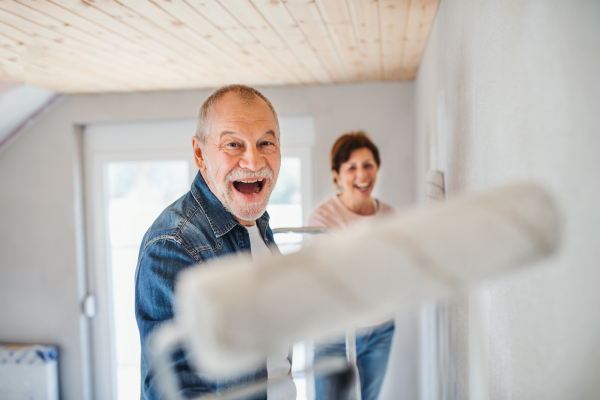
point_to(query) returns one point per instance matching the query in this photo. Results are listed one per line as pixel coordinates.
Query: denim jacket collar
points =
(221, 221)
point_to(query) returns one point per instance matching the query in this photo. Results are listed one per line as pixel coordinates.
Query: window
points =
(133, 171)
(290, 202)
(137, 192)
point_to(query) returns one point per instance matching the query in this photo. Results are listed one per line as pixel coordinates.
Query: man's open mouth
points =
(363, 186)
(249, 186)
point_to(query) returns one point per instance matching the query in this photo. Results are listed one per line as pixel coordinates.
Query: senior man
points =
(236, 148)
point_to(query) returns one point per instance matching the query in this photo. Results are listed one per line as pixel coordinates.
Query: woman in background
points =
(354, 165)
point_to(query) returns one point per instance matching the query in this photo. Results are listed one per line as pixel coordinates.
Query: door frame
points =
(103, 144)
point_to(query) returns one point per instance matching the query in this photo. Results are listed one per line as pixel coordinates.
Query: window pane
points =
(138, 192)
(287, 190)
(285, 204)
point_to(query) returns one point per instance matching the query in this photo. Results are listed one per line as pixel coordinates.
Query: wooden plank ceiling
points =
(95, 46)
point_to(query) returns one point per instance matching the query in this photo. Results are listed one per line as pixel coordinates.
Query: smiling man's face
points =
(241, 156)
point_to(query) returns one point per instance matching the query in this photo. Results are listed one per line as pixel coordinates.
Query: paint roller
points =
(234, 313)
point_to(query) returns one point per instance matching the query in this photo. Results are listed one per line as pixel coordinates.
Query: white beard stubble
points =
(245, 211)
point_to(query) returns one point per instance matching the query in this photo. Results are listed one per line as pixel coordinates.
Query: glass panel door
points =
(137, 193)
(133, 170)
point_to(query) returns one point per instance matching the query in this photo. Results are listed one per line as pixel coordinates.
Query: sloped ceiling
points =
(77, 46)
(19, 105)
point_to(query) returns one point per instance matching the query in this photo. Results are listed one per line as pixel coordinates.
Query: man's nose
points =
(252, 159)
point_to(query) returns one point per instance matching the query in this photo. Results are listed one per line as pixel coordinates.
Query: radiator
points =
(28, 372)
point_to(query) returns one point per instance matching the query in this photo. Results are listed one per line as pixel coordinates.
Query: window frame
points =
(104, 144)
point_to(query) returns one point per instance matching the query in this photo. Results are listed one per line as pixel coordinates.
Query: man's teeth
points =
(362, 185)
(258, 180)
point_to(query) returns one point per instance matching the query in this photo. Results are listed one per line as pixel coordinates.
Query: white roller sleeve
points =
(234, 312)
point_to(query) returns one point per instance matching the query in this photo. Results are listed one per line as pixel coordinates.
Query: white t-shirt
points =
(280, 385)
(258, 247)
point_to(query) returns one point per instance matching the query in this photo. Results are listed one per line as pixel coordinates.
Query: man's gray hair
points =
(247, 94)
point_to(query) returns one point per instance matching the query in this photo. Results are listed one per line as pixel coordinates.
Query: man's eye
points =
(266, 143)
(233, 144)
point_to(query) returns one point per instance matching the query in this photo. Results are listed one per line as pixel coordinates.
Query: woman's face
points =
(357, 175)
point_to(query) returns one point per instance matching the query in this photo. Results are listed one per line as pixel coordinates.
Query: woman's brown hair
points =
(346, 144)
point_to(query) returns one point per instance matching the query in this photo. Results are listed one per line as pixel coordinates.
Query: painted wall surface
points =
(42, 258)
(509, 90)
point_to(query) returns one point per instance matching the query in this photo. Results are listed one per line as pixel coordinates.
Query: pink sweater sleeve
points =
(316, 218)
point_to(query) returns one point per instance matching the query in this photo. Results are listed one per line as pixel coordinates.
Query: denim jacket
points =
(191, 231)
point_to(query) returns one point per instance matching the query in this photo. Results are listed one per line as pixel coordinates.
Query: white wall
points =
(510, 89)
(42, 265)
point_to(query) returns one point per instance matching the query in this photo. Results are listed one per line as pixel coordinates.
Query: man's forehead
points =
(231, 111)
(234, 103)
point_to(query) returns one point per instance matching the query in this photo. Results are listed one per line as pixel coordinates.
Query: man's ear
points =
(198, 155)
